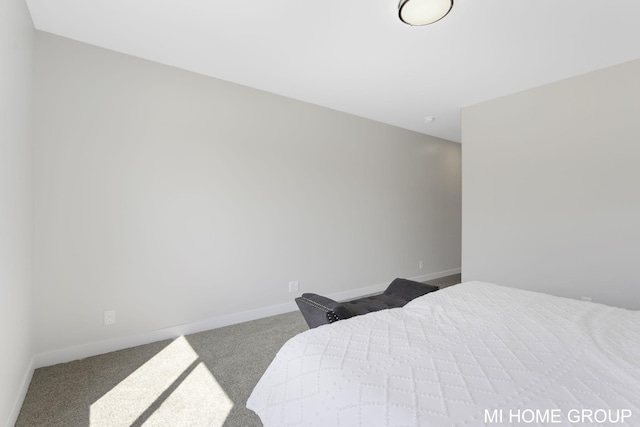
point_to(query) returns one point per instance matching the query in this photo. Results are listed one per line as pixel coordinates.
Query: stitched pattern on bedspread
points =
(446, 357)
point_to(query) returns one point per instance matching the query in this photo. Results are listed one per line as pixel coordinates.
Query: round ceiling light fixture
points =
(423, 12)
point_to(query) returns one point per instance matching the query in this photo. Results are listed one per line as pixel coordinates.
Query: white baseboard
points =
(100, 347)
(22, 392)
(105, 346)
(375, 289)
(438, 275)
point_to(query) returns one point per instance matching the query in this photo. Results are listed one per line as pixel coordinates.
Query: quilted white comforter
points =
(472, 354)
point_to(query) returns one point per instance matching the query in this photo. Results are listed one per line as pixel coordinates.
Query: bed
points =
(467, 355)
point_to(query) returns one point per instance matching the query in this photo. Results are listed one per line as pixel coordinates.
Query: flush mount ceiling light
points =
(423, 12)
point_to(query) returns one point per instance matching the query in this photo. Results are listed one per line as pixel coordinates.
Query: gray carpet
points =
(443, 282)
(202, 379)
(162, 383)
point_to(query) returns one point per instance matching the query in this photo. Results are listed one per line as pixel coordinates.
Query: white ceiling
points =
(355, 55)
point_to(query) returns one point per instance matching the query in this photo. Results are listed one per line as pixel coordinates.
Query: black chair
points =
(318, 310)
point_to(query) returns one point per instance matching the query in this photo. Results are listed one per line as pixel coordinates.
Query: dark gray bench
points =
(318, 310)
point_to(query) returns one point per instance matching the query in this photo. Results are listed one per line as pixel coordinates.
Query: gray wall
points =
(16, 65)
(551, 195)
(172, 197)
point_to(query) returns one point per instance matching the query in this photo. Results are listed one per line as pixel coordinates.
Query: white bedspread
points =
(463, 355)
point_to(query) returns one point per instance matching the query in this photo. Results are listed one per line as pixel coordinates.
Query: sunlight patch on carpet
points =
(198, 401)
(183, 390)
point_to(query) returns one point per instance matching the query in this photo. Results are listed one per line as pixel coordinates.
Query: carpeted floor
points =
(443, 282)
(202, 379)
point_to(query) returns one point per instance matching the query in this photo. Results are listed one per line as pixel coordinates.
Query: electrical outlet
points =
(109, 317)
(293, 286)
(421, 264)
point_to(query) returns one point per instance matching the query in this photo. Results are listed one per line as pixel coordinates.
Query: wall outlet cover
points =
(109, 317)
(293, 286)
